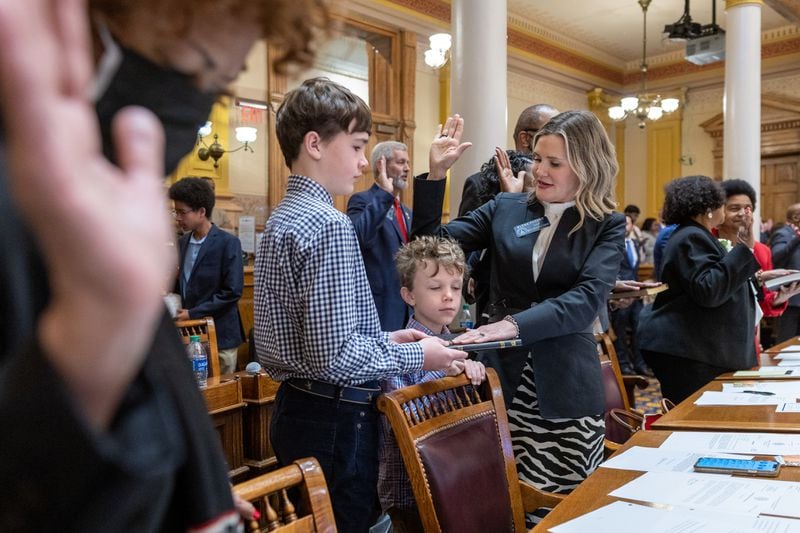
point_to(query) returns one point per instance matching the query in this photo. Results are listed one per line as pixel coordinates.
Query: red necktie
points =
(401, 221)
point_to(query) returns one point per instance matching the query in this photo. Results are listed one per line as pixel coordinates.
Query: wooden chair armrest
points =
(534, 498)
(609, 447)
(631, 383)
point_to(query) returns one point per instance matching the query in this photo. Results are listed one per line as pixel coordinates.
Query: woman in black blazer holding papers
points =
(704, 324)
(555, 256)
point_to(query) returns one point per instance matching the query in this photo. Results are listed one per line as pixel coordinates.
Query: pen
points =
(761, 392)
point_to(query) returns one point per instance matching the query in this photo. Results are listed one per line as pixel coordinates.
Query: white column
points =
(478, 84)
(742, 103)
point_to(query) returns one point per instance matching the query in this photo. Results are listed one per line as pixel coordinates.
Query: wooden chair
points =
(204, 327)
(456, 446)
(312, 514)
(629, 384)
(620, 418)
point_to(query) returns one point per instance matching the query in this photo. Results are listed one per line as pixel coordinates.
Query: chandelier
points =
(644, 106)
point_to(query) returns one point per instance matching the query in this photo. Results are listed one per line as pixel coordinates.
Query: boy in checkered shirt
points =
(316, 327)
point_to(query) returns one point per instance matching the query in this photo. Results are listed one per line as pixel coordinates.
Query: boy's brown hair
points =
(440, 251)
(318, 105)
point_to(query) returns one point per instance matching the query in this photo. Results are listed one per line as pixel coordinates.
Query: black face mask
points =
(170, 95)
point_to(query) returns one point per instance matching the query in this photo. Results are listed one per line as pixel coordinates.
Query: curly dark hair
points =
(489, 184)
(690, 196)
(194, 192)
(736, 187)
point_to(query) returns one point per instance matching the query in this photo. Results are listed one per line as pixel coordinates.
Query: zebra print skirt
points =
(552, 454)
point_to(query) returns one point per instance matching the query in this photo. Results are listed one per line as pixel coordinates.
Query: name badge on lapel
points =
(532, 226)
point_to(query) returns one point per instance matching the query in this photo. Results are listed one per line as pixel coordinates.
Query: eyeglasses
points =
(177, 213)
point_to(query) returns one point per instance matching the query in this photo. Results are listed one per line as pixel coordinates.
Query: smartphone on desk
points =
(745, 467)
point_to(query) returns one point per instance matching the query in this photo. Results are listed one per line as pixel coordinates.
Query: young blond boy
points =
(316, 328)
(431, 275)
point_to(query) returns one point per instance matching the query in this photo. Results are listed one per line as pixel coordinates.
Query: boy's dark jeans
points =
(343, 437)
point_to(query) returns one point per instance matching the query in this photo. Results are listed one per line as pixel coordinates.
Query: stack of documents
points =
(672, 498)
(752, 393)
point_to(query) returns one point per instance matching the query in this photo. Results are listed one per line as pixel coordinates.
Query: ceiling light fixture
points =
(643, 106)
(437, 55)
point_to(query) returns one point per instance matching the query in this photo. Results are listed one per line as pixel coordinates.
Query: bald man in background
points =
(529, 122)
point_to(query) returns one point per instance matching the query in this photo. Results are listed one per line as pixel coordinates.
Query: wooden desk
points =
(593, 492)
(759, 418)
(766, 359)
(258, 393)
(794, 341)
(223, 397)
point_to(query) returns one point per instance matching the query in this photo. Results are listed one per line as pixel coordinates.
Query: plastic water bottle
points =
(466, 321)
(199, 359)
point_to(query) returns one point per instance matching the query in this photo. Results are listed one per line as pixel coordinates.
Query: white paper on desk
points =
(787, 355)
(763, 372)
(722, 442)
(739, 398)
(715, 492)
(788, 408)
(778, 388)
(660, 460)
(788, 362)
(619, 517)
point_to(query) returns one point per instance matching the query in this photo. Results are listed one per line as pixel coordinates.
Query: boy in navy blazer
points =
(210, 271)
(382, 225)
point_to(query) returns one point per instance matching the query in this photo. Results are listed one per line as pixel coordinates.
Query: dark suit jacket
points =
(572, 287)
(628, 271)
(215, 284)
(470, 195)
(785, 246)
(379, 236)
(708, 312)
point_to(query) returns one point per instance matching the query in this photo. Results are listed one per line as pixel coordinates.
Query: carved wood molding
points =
(780, 135)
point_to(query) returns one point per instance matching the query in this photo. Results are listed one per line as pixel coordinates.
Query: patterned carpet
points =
(648, 401)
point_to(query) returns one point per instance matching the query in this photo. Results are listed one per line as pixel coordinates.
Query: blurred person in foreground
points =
(704, 324)
(88, 344)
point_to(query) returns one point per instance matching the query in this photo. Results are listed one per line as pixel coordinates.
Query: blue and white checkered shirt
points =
(314, 313)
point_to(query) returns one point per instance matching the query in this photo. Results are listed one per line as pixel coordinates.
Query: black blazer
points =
(573, 286)
(708, 312)
(379, 236)
(215, 284)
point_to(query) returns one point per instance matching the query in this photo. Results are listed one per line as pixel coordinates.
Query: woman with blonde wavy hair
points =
(555, 256)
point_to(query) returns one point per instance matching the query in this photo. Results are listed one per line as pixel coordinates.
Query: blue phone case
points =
(737, 466)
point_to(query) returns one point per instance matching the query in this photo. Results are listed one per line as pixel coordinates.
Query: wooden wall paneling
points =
(245, 304)
(223, 396)
(277, 171)
(407, 94)
(392, 71)
(780, 186)
(780, 153)
(663, 157)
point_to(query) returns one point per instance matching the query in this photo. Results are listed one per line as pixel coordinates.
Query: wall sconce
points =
(244, 134)
(436, 56)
